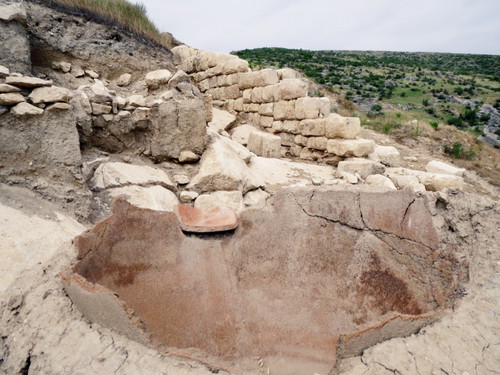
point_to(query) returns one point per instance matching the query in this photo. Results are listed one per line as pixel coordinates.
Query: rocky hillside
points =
(272, 222)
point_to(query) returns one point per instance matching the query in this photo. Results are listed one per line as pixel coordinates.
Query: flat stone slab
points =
(219, 219)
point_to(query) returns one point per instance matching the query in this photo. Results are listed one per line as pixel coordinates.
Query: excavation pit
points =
(318, 274)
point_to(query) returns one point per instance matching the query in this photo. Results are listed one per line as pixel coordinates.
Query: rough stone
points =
(256, 199)
(337, 126)
(188, 196)
(221, 120)
(363, 167)
(136, 101)
(187, 156)
(264, 144)
(77, 71)
(194, 220)
(152, 197)
(100, 109)
(387, 155)
(404, 181)
(241, 133)
(11, 99)
(4, 71)
(436, 166)
(58, 107)
(50, 94)
(230, 199)
(379, 180)
(439, 181)
(13, 12)
(157, 78)
(222, 169)
(26, 109)
(92, 74)
(5, 88)
(63, 66)
(124, 80)
(350, 147)
(28, 82)
(110, 175)
(98, 92)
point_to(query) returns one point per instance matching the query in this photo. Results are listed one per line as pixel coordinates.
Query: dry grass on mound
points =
(130, 16)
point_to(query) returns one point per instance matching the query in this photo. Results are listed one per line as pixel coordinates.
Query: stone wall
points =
(277, 101)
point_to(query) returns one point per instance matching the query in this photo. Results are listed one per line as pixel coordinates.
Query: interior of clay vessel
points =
(278, 294)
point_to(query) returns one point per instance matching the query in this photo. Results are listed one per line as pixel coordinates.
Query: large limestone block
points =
(290, 89)
(179, 125)
(288, 73)
(242, 132)
(440, 181)
(287, 126)
(232, 66)
(157, 78)
(264, 144)
(28, 82)
(222, 169)
(50, 94)
(317, 143)
(261, 78)
(221, 120)
(230, 199)
(337, 126)
(311, 108)
(402, 181)
(268, 94)
(153, 197)
(315, 127)
(350, 147)
(266, 109)
(241, 150)
(110, 175)
(362, 167)
(181, 53)
(436, 166)
(387, 155)
(284, 110)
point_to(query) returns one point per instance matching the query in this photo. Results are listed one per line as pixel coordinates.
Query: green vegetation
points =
(458, 151)
(130, 16)
(431, 87)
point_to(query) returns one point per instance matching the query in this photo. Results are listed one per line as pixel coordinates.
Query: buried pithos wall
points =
(319, 273)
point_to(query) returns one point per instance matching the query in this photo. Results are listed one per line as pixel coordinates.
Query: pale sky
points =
(460, 26)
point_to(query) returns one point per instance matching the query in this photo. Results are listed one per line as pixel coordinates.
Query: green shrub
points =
(457, 151)
(434, 124)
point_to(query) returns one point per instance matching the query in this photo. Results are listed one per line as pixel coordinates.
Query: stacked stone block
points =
(277, 101)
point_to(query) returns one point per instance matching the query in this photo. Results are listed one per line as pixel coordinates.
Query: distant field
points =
(456, 89)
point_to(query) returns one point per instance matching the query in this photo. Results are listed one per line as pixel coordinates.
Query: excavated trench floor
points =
(319, 274)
